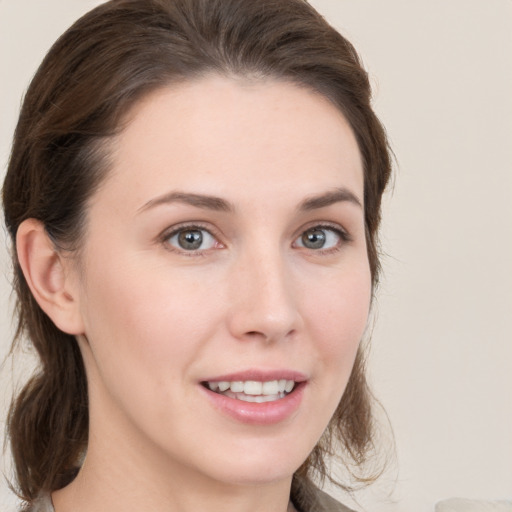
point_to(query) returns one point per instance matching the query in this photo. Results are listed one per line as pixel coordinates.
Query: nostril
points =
(258, 335)
(267, 337)
(255, 334)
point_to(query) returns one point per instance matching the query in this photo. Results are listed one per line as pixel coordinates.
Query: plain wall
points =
(441, 359)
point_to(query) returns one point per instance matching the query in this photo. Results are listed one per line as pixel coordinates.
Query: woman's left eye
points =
(320, 238)
(192, 239)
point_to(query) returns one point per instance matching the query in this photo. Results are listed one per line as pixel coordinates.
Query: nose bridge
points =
(263, 303)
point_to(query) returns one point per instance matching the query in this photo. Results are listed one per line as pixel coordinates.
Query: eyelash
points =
(343, 235)
(176, 230)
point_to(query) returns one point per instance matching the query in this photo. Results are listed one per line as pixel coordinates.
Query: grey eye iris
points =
(314, 239)
(190, 240)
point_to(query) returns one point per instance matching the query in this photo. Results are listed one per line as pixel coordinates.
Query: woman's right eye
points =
(192, 239)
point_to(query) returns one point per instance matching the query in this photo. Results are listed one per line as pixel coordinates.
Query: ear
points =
(49, 276)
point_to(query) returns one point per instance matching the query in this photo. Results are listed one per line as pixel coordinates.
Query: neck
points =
(124, 473)
(90, 494)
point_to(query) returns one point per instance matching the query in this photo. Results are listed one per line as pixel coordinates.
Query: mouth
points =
(257, 397)
(252, 390)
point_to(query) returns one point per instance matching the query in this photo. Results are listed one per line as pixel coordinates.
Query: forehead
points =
(228, 136)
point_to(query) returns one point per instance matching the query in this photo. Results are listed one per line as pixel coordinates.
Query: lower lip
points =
(265, 413)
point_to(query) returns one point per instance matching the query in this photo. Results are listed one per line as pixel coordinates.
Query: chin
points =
(264, 474)
(260, 465)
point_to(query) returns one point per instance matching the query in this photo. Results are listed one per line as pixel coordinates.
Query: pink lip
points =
(259, 376)
(266, 413)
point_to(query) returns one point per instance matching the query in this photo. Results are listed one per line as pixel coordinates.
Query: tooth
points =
(270, 387)
(246, 398)
(259, 399)
(273, 389)
(223, 385)
(252, 387)
(254, 398)
(237, 386)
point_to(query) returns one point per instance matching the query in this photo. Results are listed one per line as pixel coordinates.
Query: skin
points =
(153, 319)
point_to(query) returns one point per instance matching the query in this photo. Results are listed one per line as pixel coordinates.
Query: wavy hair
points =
(96, 71)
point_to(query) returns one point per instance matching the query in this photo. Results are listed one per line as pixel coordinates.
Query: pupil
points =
(190, 239)
(313, 239)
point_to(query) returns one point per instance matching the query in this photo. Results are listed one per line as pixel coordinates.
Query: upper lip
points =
(259, 375)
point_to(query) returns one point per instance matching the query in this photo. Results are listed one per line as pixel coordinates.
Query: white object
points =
(465, 505)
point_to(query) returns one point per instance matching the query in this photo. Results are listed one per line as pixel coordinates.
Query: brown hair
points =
(95, 72)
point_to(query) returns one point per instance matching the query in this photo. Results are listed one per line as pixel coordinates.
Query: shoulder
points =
(308, 498)
(326, 503)
(314, 501)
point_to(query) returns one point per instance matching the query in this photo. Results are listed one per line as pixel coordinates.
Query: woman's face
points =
(224, 283)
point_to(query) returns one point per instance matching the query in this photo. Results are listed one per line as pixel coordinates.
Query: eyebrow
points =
(334, 196)
(218, 204)
(198, 200)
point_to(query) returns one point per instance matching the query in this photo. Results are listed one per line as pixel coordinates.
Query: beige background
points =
(442, 348)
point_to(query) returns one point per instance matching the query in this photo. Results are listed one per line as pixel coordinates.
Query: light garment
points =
(316, 501)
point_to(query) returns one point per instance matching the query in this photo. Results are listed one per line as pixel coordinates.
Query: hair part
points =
(98, 69)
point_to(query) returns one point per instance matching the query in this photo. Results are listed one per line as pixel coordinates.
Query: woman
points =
(194, 196)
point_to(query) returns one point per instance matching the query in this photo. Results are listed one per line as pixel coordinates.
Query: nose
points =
(263, 302)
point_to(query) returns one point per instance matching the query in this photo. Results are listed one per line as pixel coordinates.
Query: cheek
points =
(142, 339)
(145, 317)
(337, 320)
(340, 310)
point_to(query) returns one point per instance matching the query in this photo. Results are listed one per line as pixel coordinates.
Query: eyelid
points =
(344, 235)
(189, 226)
(334, 226)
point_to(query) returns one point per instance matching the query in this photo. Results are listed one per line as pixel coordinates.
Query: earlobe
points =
(48, 277)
